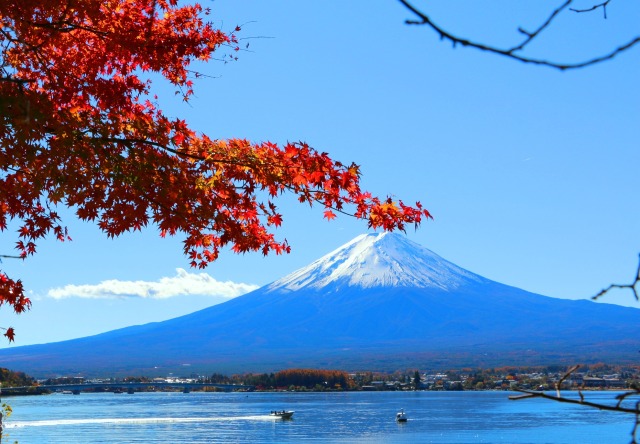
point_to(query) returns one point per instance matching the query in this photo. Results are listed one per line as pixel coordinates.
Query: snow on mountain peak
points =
(378, 260)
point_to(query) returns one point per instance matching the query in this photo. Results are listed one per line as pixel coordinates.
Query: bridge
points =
(119, 387)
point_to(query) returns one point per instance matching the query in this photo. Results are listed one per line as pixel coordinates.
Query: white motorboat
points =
(284, 414)
(401, 416)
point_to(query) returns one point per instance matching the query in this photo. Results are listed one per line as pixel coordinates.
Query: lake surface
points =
(348, 417)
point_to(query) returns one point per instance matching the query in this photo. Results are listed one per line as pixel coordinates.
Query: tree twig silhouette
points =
(516, 52)
(617, 407)
(632, 286)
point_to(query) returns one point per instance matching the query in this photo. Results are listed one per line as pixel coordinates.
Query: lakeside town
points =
(588, 377)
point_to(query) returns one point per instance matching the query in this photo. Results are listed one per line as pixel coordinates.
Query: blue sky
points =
(531, 173)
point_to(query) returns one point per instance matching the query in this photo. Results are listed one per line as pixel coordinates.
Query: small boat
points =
(284, 414)
(401, 416)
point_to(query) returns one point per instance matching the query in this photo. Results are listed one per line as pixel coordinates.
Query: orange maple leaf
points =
(328, 214)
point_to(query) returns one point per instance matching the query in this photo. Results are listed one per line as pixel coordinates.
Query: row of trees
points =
(468, 378)
(311, 378)
(299, 378)
(9, 378)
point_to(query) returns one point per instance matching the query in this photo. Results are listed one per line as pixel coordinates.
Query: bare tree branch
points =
(593, 8)
(618, 407)
(566, 375)
(515, 52)
(612, 408)
(632, 286)
(541, 28)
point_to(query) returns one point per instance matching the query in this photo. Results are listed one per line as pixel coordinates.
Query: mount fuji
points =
(379, 302)
(383, 260)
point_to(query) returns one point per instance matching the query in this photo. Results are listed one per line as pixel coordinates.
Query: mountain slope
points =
(380, 302)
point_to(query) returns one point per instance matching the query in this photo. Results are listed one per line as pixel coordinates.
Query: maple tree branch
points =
(311, 196)
(512, 52)
(128, 141)
(11, 79)
(65, 27)
(152, 18)
(632, 286)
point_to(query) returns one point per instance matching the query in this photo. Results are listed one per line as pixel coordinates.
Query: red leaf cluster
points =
(78, 128)
(12, 293)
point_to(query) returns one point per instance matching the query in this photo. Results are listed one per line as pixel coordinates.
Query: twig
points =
(632, 286)
(611, 408)
(593, 8)
(526, 394)
(515, 52)
(566, 375)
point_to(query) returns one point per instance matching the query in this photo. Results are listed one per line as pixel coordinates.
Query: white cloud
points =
(182, 284)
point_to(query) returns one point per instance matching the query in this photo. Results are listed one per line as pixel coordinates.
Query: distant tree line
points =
(299, 378)
(316, 379)
(9, 378)
(311, 378)
(63, 380)
(465, 378)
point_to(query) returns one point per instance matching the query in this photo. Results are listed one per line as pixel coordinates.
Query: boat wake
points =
(116, 421)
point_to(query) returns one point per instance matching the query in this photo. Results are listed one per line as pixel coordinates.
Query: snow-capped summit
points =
(379, 260)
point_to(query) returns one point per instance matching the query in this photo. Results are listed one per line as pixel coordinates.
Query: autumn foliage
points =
(81, 128)
(312, 377)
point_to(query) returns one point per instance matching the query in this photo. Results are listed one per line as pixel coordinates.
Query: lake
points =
(338, 417)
